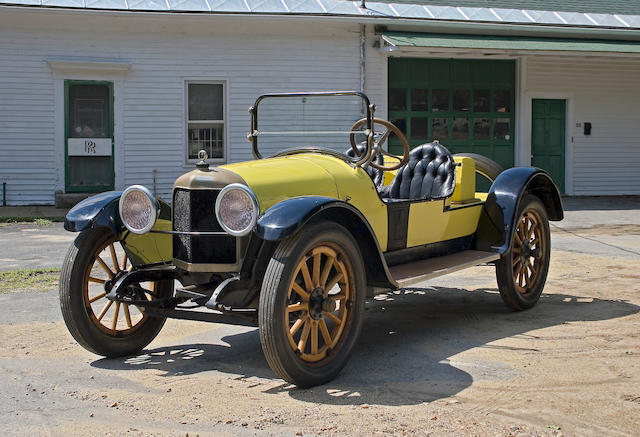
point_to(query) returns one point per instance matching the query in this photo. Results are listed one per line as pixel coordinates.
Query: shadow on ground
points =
(403, 353)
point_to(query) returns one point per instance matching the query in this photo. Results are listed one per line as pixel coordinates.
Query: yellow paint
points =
(151, 247)
(465, 189)
(429, 223)
(276, 179)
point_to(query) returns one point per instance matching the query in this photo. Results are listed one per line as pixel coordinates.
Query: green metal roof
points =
(403, 39)
(629, 7)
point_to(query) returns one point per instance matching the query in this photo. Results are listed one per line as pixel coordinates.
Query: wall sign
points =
(89, 146)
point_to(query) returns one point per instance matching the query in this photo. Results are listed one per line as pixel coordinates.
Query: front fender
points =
(498, 217)
(285, 218)
(101, 210)
(98, 210)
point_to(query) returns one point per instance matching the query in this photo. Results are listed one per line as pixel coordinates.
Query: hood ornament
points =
(202, 164)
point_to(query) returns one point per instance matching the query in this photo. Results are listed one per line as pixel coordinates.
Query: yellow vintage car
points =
(295, 243)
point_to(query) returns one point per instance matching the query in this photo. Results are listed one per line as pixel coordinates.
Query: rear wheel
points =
(101, 326)
(522, 271)
(312, 304)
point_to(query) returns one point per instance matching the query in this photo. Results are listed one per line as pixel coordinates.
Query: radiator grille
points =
(193, 210)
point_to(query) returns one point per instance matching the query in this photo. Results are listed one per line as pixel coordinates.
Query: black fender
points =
(498, 216)
(285, 218)
(101, 210)
(94, 211)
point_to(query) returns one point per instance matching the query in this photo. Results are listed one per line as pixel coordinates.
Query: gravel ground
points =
(444, 358)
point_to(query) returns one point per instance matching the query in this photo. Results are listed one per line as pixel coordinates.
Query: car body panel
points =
(100, 209)
(152, 247)
(207, 178)
(431, 221)
(497, 221)
(315, 175)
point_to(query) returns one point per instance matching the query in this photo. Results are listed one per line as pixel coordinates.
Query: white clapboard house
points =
(100, 94)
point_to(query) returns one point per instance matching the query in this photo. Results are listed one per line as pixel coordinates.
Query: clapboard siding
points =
(605, 93)
(251, 57)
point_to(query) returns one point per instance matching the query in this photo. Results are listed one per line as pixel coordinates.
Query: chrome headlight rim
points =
(155, 210)
(255, 212)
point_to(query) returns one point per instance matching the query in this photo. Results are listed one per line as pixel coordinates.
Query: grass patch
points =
(29, 280)
(40, 221)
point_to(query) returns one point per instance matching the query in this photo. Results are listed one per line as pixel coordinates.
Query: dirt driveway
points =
(446, 358)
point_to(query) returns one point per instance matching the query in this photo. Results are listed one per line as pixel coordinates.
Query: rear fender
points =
(287, 217)
(497, 220)
(101, 210)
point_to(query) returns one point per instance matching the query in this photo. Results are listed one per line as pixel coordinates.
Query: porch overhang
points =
(433, 43)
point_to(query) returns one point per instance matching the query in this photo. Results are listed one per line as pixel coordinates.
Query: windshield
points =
(299, 121)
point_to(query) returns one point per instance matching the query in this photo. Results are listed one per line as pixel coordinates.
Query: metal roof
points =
(408, 9)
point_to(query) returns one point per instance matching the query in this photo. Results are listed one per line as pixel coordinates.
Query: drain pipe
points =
(4, 194)
(155, 183)
(363, 53)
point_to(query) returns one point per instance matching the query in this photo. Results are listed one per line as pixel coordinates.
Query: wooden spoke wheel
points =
(522, 272)
(318, 304)
(114, 318)
(311, 304)
(100, 325)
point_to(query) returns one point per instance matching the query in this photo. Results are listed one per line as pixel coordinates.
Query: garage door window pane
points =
(419, 128)
(440, 128)
(419, 99)
(440, 100)
(502, 101)
(461, 100)
(205, 101)
(481, 101)
(398, 99)
(460, 129)
(502, 129)
(401, 124)
(480, 128)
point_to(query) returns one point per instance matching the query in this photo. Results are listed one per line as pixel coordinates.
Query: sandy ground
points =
(445, 358)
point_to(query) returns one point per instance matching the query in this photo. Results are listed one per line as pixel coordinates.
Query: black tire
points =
(278, 295)
(484, 166)
(81, 320)
(522, 271)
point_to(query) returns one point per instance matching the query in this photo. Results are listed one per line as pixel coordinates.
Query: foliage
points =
(42, 279)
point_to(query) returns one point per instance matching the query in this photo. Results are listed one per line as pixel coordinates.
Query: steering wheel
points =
(378, 143)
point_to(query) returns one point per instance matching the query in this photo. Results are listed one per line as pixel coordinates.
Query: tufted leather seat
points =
(429, 174)
(377, 176)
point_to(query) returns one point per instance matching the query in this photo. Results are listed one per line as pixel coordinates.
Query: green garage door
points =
(468, 105)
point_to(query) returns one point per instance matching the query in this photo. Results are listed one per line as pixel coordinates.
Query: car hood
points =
(276, 179)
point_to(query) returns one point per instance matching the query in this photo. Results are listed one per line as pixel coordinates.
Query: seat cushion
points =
(429, 174)
(377, 176)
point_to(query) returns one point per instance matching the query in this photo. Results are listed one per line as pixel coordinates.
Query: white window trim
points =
(224, 121)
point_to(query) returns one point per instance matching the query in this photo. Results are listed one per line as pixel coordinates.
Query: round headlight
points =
(237, 209)
(138, 209)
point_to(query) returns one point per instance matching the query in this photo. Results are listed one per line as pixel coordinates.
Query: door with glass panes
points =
(468, 105)
(88, 136)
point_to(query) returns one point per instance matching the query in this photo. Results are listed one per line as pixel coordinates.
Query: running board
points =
(418, 271)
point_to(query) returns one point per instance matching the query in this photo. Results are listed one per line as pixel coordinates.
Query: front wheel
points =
(312, 304)
(104, 327)
(522, 271)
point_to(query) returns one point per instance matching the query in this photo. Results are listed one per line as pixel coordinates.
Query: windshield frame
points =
(252, 136)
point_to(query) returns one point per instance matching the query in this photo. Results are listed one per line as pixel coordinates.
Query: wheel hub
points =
(317, 303)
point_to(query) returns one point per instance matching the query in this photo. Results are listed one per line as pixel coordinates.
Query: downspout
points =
(363, 53)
